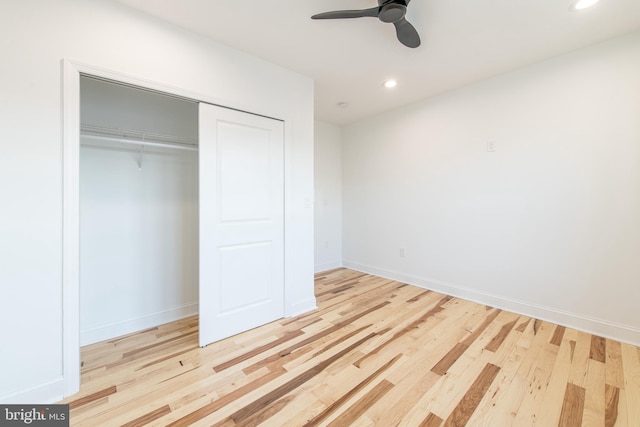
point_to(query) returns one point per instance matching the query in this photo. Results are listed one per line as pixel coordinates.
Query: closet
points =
(138, 209)
(182, 207)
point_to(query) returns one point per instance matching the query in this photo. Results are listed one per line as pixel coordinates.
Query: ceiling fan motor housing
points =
(392, 12)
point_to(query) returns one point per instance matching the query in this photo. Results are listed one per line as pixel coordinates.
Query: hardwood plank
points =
(148, 418)
(348, 418)
(288, 336)
(536, 325)
(480, 329)
(431, 421)
(535, 346)
(580, 361)
(404, 396)
(525, 368)
(572, 343)
(449, 359)
(155, 345)
(498, 339)
(516, 380)
(321, 275)
(274, 395)
(456, 383)
(557, 335)
(612, 399)
(338, 289)
(163, 359)
(262, 415)
(92, 397)
(454, 360)
(598, 349)
(445, 394)
(471, 399)
(523, 325)
(413, 325)
(418, 297)
(623, 414)
(594, 399)
(317, 336)
(342, 338)
(631, 366)
(415, 386)
(553, 400)
(349, 394)
(613, 364)
(572, 407)
(212, 407)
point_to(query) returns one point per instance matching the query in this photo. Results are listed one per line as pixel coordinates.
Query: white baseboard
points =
(604, 328)
(128, 326)
(301, 307)
(42, 394)
(327, 266)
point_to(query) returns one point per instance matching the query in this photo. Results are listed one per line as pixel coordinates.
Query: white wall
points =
(138, 240)
(328, 196)
(545, 225)
(37, 36)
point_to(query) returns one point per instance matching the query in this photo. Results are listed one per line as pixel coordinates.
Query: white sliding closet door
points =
(241, 221)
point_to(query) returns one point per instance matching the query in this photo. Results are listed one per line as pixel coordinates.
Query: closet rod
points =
(139, 142)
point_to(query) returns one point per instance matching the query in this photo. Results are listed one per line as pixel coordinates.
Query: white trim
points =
(291, 308)
(288, 213)
(301, 307)
(44, 394)
(117, 329)
(319, 268)
(143, 83)
(604, 328)
(70, 228)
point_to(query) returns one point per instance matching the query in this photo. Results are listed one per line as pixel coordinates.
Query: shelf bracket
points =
(140, 157)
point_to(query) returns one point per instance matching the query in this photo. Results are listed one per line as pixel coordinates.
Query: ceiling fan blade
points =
(341, 14)
(407, 34)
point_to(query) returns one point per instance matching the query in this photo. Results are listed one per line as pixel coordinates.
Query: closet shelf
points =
(141, 139)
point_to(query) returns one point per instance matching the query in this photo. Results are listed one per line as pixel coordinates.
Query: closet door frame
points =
(71, 72)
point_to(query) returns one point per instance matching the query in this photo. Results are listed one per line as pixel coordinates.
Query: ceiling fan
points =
(389, 11)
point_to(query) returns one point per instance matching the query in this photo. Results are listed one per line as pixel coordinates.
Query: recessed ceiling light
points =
(583, 4)
(390, 83)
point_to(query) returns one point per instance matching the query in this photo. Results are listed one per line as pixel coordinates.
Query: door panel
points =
(245, 287)
(244, 196)
(241, 222)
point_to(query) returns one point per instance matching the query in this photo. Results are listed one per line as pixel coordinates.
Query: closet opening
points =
(138, 204)
(153, 184)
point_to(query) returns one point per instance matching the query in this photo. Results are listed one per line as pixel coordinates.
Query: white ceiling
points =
(463, 41)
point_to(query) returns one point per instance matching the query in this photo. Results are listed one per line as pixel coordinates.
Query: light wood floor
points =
(375, 353)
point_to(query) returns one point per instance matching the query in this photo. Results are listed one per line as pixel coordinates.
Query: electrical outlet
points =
(491, 146)
(326, 245)
(402, 253)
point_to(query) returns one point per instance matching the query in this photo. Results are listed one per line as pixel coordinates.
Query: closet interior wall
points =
(138, 209)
